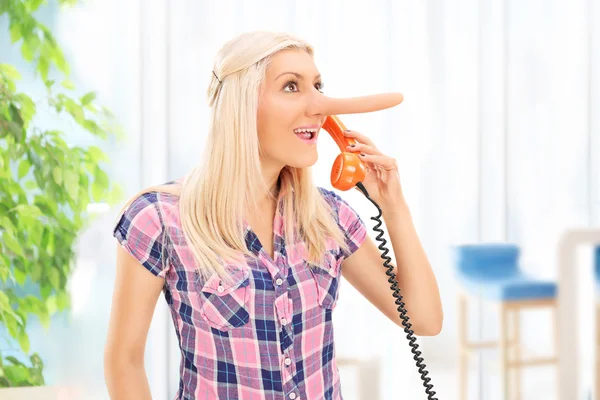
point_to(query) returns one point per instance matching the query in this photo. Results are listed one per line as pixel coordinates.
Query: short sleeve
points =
(349, 220)
(140, 231)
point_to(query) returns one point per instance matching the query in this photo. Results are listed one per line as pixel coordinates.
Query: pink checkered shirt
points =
(267, 336)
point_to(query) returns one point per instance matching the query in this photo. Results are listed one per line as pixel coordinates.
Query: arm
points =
(134, 299)
(418, 286)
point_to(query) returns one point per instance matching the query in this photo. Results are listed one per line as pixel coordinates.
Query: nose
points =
(324, 105)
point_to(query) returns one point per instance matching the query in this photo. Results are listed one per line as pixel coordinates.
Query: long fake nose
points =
(324, 105)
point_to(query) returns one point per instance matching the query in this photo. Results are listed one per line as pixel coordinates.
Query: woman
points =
(249, 253)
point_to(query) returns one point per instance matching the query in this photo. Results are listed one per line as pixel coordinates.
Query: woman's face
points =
(284, 115)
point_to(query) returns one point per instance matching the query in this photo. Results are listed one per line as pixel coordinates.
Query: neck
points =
(271, 177)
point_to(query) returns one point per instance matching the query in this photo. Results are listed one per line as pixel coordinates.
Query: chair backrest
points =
(597, 262)
(487, 260)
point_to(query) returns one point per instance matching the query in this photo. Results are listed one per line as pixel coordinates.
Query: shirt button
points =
(288, 361)
(279, 281)
(283, 321)
(220, 289)
(292, 395)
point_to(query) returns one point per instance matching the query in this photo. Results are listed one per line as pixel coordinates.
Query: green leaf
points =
(15, 32)
(34, 5)
(4, 268)
(10, 71)
(45, 290)
(31, 185)
(24, 167)
(28, 210)
(67, 83)
(14, 361)
(44, 320)
(24, 342)
(57, 175)
(63, 301)
(43, 67)
(71, 180)
(15, 115)
(20, 276)
(11, 325)
(17, 374)
(50, 247)
(93, 127)
(100, 177)
(36, 361)
(88, 98)
(28, 50)
(28, 108)
(97, 192)
(61, 63)
(75, 110)
(51, 304)
(12, 244)
(5, 304)
(54, 277)
(7, 225)
(16, 130)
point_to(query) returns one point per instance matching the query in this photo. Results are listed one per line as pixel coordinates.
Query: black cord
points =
(396, 293)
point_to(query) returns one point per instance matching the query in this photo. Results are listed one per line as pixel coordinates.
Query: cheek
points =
(273, 123)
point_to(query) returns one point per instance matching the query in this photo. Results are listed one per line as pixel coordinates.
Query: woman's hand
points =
(382, 180)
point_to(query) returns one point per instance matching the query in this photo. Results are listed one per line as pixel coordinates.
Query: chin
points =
(304, 162)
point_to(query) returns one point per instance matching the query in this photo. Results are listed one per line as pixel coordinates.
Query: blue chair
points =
(597, 267)
(490, 272)
(597, 275)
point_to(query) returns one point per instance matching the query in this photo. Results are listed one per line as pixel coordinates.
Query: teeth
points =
(304, 130)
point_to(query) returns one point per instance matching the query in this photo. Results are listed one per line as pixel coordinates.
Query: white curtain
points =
(497, 140)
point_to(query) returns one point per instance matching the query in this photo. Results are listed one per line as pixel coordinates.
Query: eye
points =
(319, 86)
(291, 84)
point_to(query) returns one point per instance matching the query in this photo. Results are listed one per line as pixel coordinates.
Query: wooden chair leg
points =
(597, 348)
(516, 342)
(556, 344)
(503, 352)
(463, 355)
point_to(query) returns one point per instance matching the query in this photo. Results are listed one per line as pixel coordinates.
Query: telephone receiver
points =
(349, 171)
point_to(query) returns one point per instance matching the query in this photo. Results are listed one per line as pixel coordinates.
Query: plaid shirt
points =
(269, 335)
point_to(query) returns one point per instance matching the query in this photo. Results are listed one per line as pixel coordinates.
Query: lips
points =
(307, 134)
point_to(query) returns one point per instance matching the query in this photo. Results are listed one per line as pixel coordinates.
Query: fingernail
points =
(352, 145)
(362, 155)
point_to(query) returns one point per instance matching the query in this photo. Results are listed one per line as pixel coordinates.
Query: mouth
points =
(307, 135)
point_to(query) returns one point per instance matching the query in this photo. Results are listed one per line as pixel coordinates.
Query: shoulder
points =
(348, 220)
(149, 210)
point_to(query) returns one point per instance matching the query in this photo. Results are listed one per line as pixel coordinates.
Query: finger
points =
(359, 136)
(385, 162)
(364, 148)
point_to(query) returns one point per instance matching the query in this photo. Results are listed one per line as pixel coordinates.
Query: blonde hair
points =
(214, 196)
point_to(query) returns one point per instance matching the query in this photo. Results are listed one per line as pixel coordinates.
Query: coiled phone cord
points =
(394, 286)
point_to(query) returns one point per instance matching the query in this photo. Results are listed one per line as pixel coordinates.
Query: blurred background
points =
(498, 144)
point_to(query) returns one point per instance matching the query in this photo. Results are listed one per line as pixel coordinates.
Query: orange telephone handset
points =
(347, 168)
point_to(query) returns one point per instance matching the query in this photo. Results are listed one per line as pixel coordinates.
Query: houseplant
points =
(46, 185)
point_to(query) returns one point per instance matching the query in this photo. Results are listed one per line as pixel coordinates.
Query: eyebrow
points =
(297, 75)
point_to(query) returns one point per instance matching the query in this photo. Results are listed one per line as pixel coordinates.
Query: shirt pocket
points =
(327, 280)
(225, 306)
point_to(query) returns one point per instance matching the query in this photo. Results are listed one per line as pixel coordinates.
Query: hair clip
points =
(216, 77)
